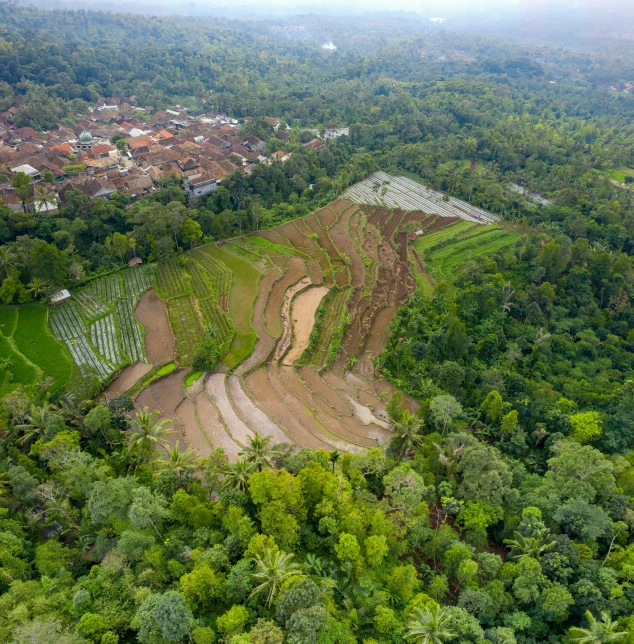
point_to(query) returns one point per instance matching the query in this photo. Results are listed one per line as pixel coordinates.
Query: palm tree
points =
(43, 197)
(35, 423)
(428, 626)
(8, 259)
(333, 457)
(528, 546)
(598, 632)
(6, 363)
(408, 433)
(236, 476)
(38, 287)
(146, 434)
(182, 463)
(272, 570)
(257, 452)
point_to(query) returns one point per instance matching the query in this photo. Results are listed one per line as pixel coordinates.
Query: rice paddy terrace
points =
(300, 312)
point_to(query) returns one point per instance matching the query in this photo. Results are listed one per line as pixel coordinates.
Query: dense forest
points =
(501, 512)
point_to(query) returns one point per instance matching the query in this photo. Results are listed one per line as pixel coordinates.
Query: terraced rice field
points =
(98, 325)
(445, 251)
(30, 349)
(303, 310)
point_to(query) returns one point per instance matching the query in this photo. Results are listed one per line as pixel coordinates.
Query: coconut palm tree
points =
(43, 197)
(35, 423)
(599, 631)
(181, 463)
(428, 626)
(38, 287)
(257, 452)
(146, 434)
(8, 259)
(528, 546)
(6, 363)
(408, 433)
(236, 476)
(272, 571)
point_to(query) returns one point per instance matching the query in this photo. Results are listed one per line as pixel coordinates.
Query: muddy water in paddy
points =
(159, 342)
(303, 311)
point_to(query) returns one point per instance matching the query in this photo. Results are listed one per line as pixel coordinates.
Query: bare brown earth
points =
(159, 341)
(126, 379)
(259, 390)
(212, 427)
(303, 311)
(296, 270)
(252, 415)
(285, 313)
(332, 408)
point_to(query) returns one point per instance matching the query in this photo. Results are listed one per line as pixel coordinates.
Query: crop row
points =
(219, 274)
(89, 305)
(200, 280)
(172, 280)
(84, 355)
(213, 314)
(66, 323)
(400, 192)
(187, 327)
(104, 336)
(136, 281)
(131, 336)
(108, 288)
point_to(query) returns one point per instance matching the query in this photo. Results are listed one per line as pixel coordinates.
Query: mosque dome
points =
(85, 137)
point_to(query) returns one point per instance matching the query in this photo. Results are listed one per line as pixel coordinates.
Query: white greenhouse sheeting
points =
(403, 193)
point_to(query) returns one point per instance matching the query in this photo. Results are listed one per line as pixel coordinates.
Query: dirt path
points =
(159, 342)
(303, 312)
(126, 380)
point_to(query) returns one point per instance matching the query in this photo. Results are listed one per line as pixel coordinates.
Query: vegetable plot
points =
(99, 326)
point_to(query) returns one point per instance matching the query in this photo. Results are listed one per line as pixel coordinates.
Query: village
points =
(121, 147)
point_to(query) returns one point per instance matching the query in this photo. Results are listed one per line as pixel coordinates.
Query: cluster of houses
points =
(121, 147)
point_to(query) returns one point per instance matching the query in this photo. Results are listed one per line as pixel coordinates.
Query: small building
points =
(280, 156)
(200, 186)
(27, 169)
(315, 144)
(253, 143)
(59, 298)
(135, 261)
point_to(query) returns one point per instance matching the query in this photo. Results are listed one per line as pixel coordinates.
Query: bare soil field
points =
(168, 391)
(216, 390)
(296, 270)
(152, 315)
(260, 390)
(253, 416)
(302, 313)
(126, 379)
(212, 427)
(287, 326)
